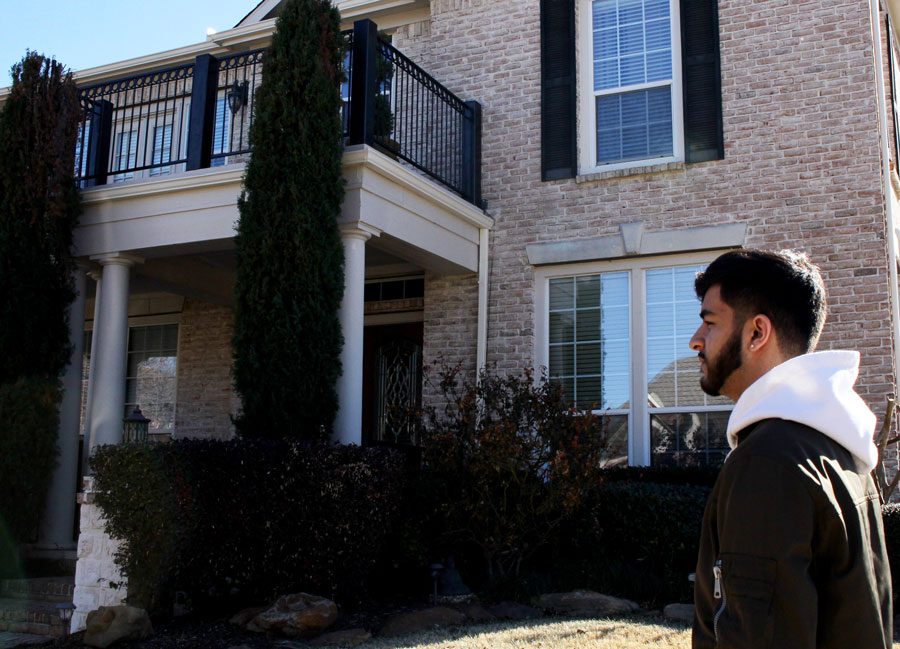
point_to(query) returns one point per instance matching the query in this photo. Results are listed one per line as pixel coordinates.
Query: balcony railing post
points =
(203, 112)
(362, 82)
(99, 134)
(471, 153)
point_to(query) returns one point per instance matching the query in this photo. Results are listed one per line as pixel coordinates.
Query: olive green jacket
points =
(792, 551)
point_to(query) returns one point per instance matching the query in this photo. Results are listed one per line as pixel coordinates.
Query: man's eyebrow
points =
(704, 313)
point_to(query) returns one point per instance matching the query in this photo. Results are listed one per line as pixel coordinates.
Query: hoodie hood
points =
(815, 390)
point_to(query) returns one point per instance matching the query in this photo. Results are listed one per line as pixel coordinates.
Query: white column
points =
(59, 512)
(92, 370)
(348, 423)
(108, 399)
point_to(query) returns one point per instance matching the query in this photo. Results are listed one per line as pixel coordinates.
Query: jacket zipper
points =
(718, 593)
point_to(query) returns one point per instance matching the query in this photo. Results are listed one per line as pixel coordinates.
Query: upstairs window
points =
(630, 96)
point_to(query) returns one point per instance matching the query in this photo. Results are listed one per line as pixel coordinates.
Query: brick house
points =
(546, 204)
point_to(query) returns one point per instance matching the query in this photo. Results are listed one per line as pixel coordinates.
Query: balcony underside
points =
(182, 224)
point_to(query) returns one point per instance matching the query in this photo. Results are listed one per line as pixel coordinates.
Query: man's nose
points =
(696, 342)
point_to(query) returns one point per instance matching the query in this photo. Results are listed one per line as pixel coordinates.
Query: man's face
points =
(717, 342)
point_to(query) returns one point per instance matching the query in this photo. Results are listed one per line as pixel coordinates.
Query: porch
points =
(160, 159)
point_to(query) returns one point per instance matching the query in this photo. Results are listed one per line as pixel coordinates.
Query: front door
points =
(392, 382)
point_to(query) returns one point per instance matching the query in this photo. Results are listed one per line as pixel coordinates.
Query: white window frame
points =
(587, 115)
(639, 441)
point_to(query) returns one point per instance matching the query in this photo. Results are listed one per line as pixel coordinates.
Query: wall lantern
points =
(237, 96)
(135, 426)
(64, 611)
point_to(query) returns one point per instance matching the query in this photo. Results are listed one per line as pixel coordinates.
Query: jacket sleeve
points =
(764, 524)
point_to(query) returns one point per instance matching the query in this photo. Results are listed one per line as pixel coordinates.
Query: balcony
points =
(197, 115)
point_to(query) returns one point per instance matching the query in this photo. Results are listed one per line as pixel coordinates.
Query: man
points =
(792, 551)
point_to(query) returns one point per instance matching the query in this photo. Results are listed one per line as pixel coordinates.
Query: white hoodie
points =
(816, 390)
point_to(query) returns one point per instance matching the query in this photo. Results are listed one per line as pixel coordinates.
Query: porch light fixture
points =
(135, 426)
(64, 611)
(237, 96)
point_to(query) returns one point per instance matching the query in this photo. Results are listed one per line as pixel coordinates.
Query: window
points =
(221, 132)
(162, 149)
(630, 83)
(894, 62)
(151, 374)
(124, 154)
(608, 334)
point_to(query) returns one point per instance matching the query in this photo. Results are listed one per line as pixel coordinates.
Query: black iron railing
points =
(399, 108)
(199, 114)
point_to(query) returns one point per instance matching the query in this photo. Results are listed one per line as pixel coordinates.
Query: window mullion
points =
(639, 442)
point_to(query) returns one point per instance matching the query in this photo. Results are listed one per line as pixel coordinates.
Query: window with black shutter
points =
(648, 84)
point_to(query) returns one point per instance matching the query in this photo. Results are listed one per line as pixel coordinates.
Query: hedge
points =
(247, 520)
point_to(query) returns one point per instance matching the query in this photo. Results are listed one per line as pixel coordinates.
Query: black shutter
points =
(702, 81)
(558, 144)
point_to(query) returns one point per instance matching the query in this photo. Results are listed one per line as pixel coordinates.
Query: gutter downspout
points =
(887, 189)
(481, 344)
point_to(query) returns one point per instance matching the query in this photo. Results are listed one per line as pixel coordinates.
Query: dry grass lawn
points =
(550, 634)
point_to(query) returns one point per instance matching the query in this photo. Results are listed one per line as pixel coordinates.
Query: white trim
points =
(361, 154)
(632, 241)
(200, 178)
(639, 442)
(586, 95)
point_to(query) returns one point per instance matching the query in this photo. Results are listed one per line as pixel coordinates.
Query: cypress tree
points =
(289, 277)
(39, 208)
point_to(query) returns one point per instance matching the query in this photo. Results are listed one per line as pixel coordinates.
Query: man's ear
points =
(759, 333)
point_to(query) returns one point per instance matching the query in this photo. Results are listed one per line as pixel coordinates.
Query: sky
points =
(84, 34)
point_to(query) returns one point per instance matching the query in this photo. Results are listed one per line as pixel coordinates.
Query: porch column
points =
(92, 371)
(348, 423)
(56, 530)
(108, 398)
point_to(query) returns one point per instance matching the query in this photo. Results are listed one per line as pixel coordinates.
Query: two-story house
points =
(552, 176)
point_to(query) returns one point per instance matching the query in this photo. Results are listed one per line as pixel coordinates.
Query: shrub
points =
(507, 462)
(290, 260)
(248, 519)
(891, 515)
(28, 427)
(635, 539)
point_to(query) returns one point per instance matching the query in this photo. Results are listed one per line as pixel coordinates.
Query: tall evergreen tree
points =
(290, 262)
(39, 208)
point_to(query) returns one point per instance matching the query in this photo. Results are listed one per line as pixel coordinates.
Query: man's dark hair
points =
(785, 286)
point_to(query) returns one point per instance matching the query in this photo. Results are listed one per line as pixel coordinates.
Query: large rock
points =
(297, 615)
(109, 624)
(243, 617)
(415, 621)
(476, 612)
(514, 611)
(679, 612)
(586, 603)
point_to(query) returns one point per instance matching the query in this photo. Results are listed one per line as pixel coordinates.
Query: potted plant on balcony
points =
(383, 125)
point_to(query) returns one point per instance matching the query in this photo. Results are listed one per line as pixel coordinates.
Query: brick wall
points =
(801, 164)
(205, 400)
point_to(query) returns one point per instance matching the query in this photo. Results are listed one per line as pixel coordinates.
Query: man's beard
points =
(725, 363)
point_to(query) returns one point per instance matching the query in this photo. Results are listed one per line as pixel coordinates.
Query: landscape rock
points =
(476, 612)
(514, 611)
(429, 618)
(109, 624)
(243, 617)
(297, 615)
(585, 602)
(345, 638)
(679, 612)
